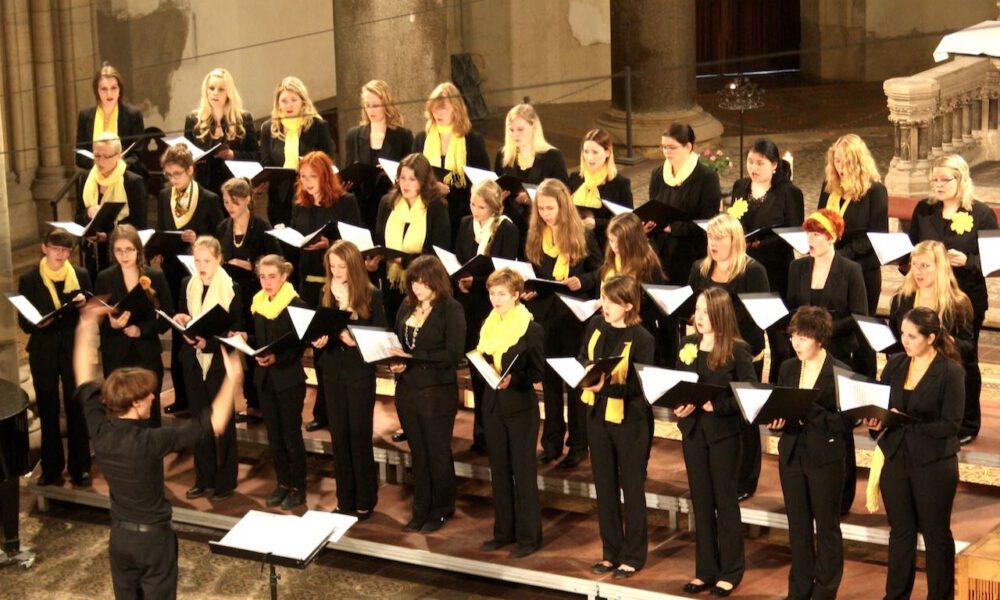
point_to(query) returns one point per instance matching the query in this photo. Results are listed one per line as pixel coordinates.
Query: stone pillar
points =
(946, 120)
(977, 116)
(992, 119)
(18, 63)
(924, 141)
(936, 132)
(8, 319)
(361, 26)
(913, 106)
(656, 38)
(49, 176)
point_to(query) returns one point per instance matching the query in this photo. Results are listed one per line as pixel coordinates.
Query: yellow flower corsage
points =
(688, 353)
(738, 209)
(961, 222)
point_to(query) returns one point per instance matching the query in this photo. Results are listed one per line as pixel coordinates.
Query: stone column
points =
(411, 31)
(656, 38)
(936, 132)
(946, 119)
(18, 63)
(8, 323)
(49, 176)
(913, 104)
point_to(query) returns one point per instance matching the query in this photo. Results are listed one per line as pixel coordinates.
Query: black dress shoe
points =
(621, 573)
(365, 515)
(312, 426)
(493, 545)
(197, 492)
(277, 496)
(399, 436)
(521, 551)
(696, 588)
(601, 568)
(720, 592)
(743, 496)
(413, 525)
(433, 525)
(223, 494)
(547, 456)
(573, 459)
(175, 409)
(240, 418)
(966, 439)
(56, 480)
(294, 498)
(82, 480)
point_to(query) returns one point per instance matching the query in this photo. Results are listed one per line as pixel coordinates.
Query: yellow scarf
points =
(675, 179)
(833, 202)
(500, 332)
(99, 122)
(220, 292)
(614, 411)
(271, 308)
(454, 155)
(561, 270)
(65, 273)
(115, 184)
(405, 239)
(292, 125)
(874, 475)
(183, 212)
(587, 195)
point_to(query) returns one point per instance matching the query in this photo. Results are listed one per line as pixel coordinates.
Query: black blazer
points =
(753, 280)
(699, 197)
(130, 129)
(782, 206)
(612, 343)
(440, 346)
(928, 224)
(397, 144)
(205, 220)
(547, 307)
(869, 213)
(617, 190)
(187, 352)
(135, 194)
(272, 154)
(307, 219)
(475, 148)
(938, 402)
(519, 396)
(506, 242)
(286, 372)
(256, 243)
(115, 345)
(438, 225)
(843, 294)
(212, 172)
(60, 332)
(961, 330)
(345, 362)
(821, 431)
(724, 420)
(547, 165)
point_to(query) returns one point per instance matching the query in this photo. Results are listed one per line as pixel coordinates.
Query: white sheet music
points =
(703, 223)
(656, 381)
(614, 208)
(879, 335)
(145, 235)
(486, 369)
(569, 369)
(448, 259)
(532, 190)
(373, 343)
(244, 168)
(72, 228)
(294, 238)
(477, 176)
(989, 252)
(359, 236)
(324, 520)
(301, 318)
(188, 261)
(890, 246)
(288, 536)
(390, 167)
(25, 307)
(667, 298)
(524, 269)
(794, 237)
(86, 153)
(751, 400)
(196, 152)
(764, 311)
(852, 393)
(581, 309)
(236, 341)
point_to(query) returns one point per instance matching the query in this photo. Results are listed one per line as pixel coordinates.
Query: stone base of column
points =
(648, 127)
(908, 178)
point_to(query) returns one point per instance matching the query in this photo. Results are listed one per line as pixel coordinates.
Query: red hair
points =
(330, 188)
(812, 225)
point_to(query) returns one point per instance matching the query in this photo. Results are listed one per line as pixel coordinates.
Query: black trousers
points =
(850, 473)
(215, 458)
(750, 450)
(478, 420)
(510, 443)
(351, 404)
(143, 564)
(10, 499)
(283, 419)
(177, 374)
(619, 454)
(920, 498)
(812, 494)
(712, 472)
(319, 411)
(429, 436)
(47, 372)
(562, 338)
(972, 418)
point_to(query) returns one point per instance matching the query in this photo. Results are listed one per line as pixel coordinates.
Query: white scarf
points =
(220, 291)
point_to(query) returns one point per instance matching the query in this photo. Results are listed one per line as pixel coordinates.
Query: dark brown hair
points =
(622, 289)
(637, 255)
(429, 271)
(425, 176)
(722, 316)
(812, 322)
(60, 238)
(928, 323)
(682, 132)
(125, 386)
(178, 154)
(107, 71)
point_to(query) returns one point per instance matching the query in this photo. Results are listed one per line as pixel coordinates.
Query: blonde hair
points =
(209, 242)
(538, 143)
(447, 92)
(859, 167)
(380, 89)
(275, 260)
(956, 163)
(726, 225)
(309, 114)
(109, 139)
(568, 233)
(232, 115)
(489, 191)
(950, 302)
(603, 139)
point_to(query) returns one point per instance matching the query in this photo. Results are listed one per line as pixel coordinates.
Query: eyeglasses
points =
(942, 180)
(105, 156)
(125, 251)
(174, 175)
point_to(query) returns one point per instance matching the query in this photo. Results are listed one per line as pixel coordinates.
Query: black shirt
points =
(131, 457)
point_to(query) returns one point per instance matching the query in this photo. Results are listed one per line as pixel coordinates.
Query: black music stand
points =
(13, 463)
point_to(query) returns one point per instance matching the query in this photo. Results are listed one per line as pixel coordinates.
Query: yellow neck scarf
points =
(292, 125)
(874, 476)
(99, 122)
(587, 195)
(675, 179)
(271, 308)
(65, 273)
(836, 203)
(500, 332)
(561, 270)
(220, 292)
(405, 239)
(115, 192)
(614, 411)
(454, 155)
(183, 211)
